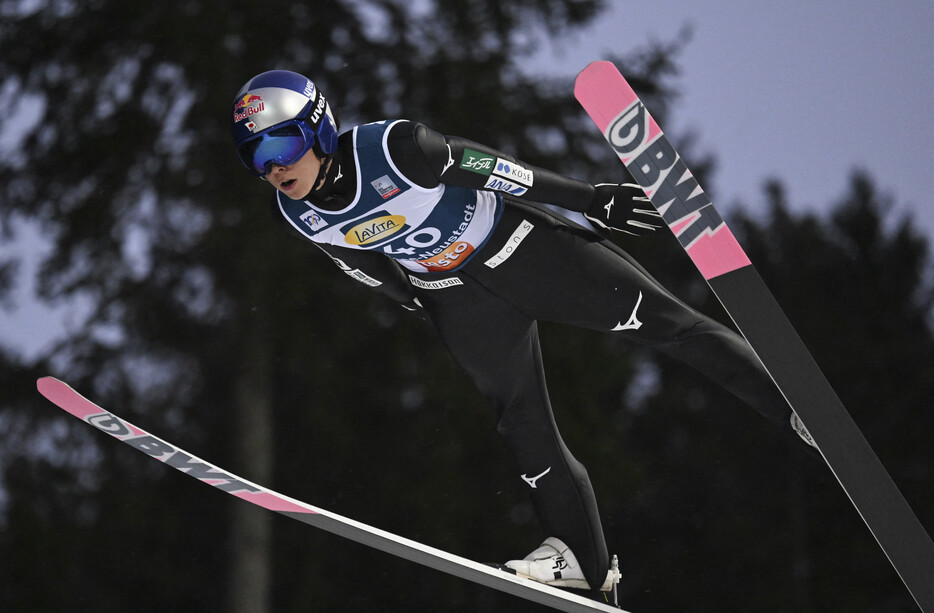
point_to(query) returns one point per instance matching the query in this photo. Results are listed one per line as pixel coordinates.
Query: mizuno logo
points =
(632, 323)
(450, 161)
(532, 481)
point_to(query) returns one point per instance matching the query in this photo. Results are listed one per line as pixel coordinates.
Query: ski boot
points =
(798, 426)
(553, 563)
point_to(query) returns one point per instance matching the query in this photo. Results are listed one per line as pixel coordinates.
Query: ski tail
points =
(654, 164)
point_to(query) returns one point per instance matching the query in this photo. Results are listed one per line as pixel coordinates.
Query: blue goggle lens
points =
(281, 146)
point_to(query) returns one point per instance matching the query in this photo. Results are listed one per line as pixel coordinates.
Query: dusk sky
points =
(797, 90)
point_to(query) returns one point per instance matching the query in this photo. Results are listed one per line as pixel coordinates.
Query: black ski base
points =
(845, 449)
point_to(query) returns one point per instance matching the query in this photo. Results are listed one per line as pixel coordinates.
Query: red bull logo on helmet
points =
(248, 105)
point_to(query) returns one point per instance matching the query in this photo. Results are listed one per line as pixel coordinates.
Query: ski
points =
(656, 167)
(63, 396)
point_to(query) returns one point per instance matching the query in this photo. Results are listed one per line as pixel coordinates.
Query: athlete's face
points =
(298, 178)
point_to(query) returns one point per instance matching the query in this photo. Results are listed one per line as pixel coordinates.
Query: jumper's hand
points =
(623, 207)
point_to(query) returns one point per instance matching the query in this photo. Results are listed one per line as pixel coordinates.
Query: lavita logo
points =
(374, 229)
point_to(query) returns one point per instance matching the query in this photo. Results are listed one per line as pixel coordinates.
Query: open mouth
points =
(287, 184)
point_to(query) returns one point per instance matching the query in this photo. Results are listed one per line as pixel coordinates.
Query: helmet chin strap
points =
(322, 172)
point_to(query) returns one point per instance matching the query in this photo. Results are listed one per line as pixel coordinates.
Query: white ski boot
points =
(798, 426)
(555, 564)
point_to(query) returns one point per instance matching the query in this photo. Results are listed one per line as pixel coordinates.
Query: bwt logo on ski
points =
(657, 168)
(110, 424)
(168, 454)
(626, 132)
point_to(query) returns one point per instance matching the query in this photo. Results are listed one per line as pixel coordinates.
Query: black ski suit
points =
(465, 244)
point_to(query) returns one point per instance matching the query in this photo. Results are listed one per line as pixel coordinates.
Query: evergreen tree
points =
(213, 330)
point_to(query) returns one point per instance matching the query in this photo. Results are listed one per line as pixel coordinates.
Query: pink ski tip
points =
(603, 91)
(65, 397)
(594, 71)
(51, 388)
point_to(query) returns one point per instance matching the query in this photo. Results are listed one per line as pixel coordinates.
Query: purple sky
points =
(798, 90)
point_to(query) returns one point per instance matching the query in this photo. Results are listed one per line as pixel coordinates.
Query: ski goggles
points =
(282, 144)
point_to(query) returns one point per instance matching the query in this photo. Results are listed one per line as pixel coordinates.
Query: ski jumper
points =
(452, 224)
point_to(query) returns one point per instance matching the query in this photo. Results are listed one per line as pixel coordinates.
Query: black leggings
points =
(487, 318)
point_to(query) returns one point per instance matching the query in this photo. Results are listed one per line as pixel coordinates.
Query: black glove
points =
(623, 207)
(415, 307)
